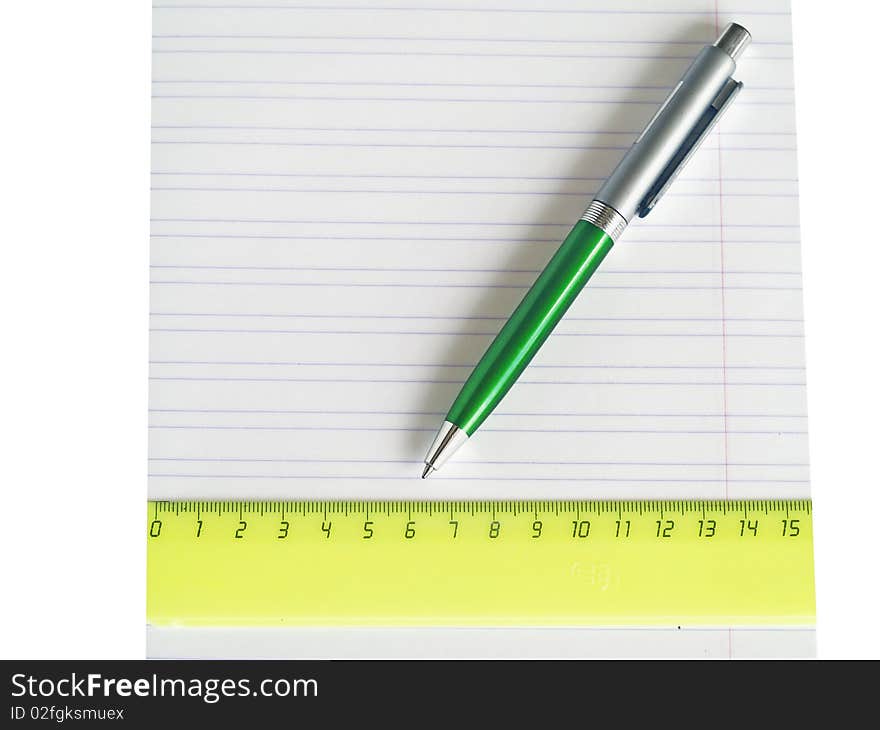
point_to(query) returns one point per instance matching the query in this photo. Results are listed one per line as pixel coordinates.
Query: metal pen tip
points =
(446, 443)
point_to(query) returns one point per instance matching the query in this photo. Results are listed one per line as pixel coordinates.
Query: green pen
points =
(635, 186)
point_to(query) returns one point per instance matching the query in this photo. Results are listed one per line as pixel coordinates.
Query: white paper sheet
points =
(349, 198)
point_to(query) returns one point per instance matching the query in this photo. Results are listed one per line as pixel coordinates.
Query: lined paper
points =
(350, 198)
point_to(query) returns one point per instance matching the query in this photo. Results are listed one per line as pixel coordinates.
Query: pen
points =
(635, 186)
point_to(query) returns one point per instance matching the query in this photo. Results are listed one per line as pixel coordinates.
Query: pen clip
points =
(702, 128)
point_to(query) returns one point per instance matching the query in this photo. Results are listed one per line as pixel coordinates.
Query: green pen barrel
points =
(530, 325)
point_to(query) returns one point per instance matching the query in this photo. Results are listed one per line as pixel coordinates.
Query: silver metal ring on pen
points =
(605, 218)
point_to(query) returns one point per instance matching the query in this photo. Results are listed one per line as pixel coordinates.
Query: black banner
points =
(374, 693)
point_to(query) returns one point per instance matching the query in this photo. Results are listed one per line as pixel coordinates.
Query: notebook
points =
(350, 198)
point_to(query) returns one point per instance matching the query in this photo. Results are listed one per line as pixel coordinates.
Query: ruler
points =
(480, 563)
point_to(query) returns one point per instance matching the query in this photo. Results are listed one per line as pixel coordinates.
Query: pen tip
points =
(427, 472)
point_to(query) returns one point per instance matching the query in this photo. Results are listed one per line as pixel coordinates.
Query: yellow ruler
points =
(344, 563)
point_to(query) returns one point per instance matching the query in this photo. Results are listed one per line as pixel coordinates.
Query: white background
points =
(75, 208)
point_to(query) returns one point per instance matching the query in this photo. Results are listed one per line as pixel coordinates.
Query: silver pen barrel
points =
(677, 128)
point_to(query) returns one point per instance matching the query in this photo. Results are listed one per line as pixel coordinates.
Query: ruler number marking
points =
(791, 528)
(746, 526)
(707, 528)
